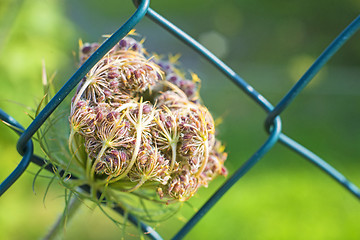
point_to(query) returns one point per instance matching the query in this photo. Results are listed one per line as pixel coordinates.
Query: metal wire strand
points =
(338, 42)
(321, 164)
(24, 163)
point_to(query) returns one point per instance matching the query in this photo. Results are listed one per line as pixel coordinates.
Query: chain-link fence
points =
(272, 121)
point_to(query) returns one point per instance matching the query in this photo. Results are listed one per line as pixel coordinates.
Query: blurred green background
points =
(270, 44)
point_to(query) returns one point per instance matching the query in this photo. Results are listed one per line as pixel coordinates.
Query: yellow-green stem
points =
(74, 147)
(139, 129)
(206, 156)
(100, 154)
(173, 159)
(82, 90)
(59, 227)
(142, 181)
(134, 156)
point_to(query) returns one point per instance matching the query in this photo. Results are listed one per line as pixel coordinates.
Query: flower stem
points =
(206, 156)
(100, 154)
(59, 227)
(142, 181)
(139, 130)
(74, 147)
(173, 159)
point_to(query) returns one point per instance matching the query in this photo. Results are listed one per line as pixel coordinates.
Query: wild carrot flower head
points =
(141, 125)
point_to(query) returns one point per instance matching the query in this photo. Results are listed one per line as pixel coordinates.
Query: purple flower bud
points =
(162, 117)
(99, 116)
(114, 84)
(107, 93)
(123, 156)
(86, 49)
(135, 47)
(161, 64)
(90, 122)
(146, 109)
(113, 75)
(135, 112)
(81, 103)
(137, 74)
(193, 160)
(99, 167)
(165, 66)
(173, 78)
(187, 136)
(112, 116)
(123, 43)
(189, 92)
(182, 83)
(168, 123)
(114, 152)
(184, 148)
(182, 178)
(108, 160)
(115, 161)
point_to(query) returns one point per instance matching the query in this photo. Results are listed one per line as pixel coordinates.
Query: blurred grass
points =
(283, 197)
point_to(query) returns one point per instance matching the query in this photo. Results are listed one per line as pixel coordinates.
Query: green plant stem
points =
(206, 156)
(97, 160)
(74, 147)
(173, 158)
(142, 181)
(140, 126)
(58, 228)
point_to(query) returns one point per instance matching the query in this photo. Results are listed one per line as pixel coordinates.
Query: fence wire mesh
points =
(272, 121)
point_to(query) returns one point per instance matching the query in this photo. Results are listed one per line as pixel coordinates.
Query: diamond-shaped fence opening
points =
(272, 121)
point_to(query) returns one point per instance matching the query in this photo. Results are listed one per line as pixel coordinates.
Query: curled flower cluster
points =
(175, 76)
(142, 125)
